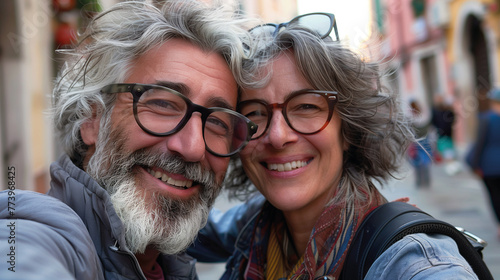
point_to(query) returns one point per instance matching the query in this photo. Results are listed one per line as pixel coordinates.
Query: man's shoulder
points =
(43, 209)
(29, 204)
(47, 238)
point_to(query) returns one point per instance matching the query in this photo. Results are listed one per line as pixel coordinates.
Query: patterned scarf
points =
(326, 249)
(281, 252)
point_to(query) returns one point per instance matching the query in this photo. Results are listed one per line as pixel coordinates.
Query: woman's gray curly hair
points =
(115, 38)
(373, 122)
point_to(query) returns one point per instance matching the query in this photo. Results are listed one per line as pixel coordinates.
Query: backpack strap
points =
(388, 224)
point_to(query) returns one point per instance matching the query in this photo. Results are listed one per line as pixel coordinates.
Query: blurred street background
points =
(458, 199)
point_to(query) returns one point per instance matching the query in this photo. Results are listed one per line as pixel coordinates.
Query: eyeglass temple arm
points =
(117, 88)
(335, 29)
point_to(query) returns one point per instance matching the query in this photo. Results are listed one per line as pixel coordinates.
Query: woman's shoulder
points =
(422, 256)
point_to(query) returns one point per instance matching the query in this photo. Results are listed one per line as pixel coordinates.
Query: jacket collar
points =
(244, 239)
(82, 193)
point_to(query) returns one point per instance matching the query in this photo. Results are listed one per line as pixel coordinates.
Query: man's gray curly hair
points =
(115, 38)
(373, 122)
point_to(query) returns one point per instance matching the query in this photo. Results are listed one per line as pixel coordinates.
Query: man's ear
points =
(90, 130)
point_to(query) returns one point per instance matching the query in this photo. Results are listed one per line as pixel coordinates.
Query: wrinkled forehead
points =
(200, 75)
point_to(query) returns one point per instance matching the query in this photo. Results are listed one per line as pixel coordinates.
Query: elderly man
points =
(143, 109)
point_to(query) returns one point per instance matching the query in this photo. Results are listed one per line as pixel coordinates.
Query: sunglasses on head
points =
(318, 23)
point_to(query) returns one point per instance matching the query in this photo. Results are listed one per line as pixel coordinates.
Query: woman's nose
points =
(279, 133)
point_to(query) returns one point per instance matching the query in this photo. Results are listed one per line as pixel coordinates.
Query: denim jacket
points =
(228, 236)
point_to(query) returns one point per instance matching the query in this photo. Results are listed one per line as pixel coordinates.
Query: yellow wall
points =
(491, 21)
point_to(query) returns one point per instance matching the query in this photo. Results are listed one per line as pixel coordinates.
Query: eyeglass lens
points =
(160, 111)
(305, 113)
(319, 23)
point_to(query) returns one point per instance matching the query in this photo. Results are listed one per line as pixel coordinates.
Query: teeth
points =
(287, 166)
(165, 178)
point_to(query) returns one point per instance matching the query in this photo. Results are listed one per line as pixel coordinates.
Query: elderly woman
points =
(327, 132)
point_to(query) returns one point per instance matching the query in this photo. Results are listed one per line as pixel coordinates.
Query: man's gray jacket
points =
(81, 238)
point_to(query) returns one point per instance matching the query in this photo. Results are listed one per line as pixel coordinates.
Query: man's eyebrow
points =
(184, 89)
(179, 87)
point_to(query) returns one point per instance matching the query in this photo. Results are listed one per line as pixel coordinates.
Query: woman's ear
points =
(345, 145)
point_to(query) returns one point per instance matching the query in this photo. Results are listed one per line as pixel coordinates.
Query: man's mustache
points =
(173, 164)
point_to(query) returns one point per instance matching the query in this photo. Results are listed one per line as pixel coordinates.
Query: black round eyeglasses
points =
(161, 111)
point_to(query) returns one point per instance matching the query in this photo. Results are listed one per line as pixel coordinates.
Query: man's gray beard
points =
(149, 218)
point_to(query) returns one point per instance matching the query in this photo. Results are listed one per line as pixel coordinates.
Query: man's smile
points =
(182, 184)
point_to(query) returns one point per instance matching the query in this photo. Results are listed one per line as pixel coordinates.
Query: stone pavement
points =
(458, 199)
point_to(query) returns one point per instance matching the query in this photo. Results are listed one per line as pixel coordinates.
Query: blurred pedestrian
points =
(443, 118)
(484, 157)
(420, 152)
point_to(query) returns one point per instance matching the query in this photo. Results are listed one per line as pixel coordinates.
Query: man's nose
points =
(189, 142)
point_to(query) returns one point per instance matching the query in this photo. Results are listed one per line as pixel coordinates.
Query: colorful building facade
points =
(30, 32)
(444, 49)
